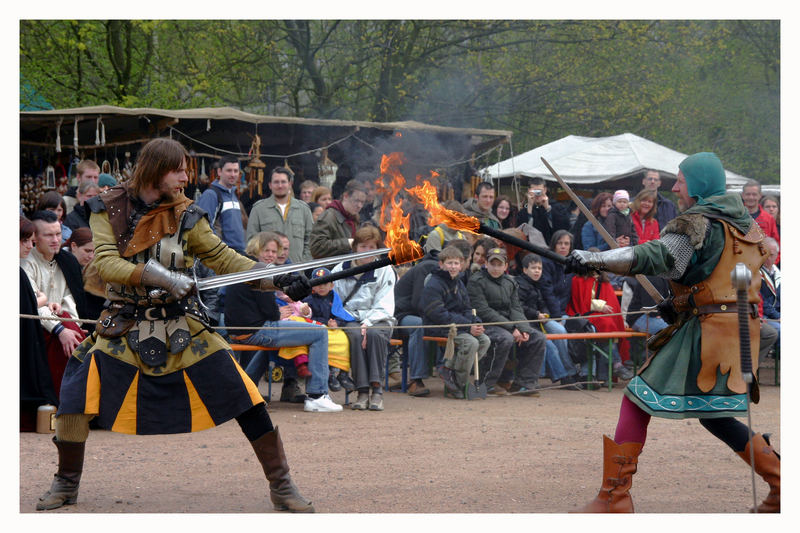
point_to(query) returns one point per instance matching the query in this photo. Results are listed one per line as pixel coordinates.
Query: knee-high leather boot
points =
(768, 466)
(282, 490)
(64, 489)
(619, 465)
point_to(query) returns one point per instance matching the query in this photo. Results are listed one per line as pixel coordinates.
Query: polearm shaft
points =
(215, 282)
(360, 269)
(519, 243)
(643, 281)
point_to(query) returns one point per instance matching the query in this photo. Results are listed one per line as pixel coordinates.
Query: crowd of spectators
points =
(502, 300)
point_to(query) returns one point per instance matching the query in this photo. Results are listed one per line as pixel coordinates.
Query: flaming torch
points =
(392, 221)
(426, 193)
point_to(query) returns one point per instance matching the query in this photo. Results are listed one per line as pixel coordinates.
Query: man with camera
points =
(540, 214)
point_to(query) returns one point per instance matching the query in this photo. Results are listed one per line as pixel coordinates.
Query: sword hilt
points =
(741, 276)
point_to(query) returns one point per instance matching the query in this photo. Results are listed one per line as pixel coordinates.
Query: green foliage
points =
(690, 85)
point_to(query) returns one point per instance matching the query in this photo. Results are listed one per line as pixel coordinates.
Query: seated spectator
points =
(480, 206)
(649, 322)
(557, 360)
(442, 233)
(618, 221)
(316, 210)
(327, 309)
(590, 237)
(57, 274)
(771, 286)
(479, 251)
(52, 201)
(322, 196)
(505, 212)
(247, 307)
(106, 181)
(555, 283)
(80, 244)
(408, 312)
(79, 217)
(369, 297)
(307, 190)
(35, 382)
(644, 215)
(445, 301)
(540, 213)
(593, 297)
(772, 205)
(495, 298)
(335, 230)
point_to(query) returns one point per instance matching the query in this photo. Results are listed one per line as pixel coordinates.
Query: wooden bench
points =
(441, 341)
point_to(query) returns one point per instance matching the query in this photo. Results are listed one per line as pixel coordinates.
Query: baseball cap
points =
(496, 253)
(319, 272)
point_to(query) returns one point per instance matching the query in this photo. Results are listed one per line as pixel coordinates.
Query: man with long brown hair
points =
(154, 366)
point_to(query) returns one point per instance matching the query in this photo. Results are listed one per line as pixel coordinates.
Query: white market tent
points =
(617, 161)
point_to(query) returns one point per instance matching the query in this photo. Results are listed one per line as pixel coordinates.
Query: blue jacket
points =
(556, 287)
(225, 218)
(591, 237)
(771, 296)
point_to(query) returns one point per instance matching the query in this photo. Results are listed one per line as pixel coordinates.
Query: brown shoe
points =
(619, 465)
(768, 466)
(395, 381)
(418, 388)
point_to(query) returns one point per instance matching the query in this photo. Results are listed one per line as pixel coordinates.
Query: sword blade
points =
(215, 282)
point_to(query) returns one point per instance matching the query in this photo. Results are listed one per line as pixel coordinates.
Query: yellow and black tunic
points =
(200, 384)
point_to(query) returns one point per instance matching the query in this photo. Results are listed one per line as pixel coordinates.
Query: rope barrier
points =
(423, 326)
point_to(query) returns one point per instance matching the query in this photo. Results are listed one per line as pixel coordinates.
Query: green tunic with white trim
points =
(667, 385)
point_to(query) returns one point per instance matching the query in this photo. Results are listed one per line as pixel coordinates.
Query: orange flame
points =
(395, 225)
(426, 193)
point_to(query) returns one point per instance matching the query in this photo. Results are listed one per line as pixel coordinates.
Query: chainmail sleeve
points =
(681, 249)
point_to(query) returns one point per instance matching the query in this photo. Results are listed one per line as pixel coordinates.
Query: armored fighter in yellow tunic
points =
(153, 366)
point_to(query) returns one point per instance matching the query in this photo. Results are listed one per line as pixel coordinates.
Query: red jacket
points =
(584, 289)
(769, 227)
(647, 230)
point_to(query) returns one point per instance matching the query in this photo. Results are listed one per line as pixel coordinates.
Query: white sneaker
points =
(323, 404)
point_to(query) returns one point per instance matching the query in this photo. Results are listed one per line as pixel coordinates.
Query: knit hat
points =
(106, 180)
(621, 194)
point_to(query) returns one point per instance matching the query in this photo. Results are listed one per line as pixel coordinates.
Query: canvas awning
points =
(617, 161)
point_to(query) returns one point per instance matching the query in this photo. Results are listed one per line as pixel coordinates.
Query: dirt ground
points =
(420, 455)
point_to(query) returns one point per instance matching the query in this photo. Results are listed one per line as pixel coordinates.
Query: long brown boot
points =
(64, 489)
(619, 465)
(282, 490)
(768, 466)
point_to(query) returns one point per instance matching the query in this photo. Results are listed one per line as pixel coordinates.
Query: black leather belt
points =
(722, 308)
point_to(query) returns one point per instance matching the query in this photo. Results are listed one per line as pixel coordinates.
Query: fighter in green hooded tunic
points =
(694, 370)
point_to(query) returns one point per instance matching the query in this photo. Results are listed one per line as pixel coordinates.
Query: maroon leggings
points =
(633, 421)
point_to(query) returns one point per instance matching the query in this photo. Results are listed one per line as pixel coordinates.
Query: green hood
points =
(728, 207)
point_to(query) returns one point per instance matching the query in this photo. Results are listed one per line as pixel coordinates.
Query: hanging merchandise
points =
(327, 170)
(203, 176)
(256, 168)
(100, 133)
(191, 170)
(58, 135)
(127, 168)
(75, 138)
(115, 171)
(50, 177)
(105, 168)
